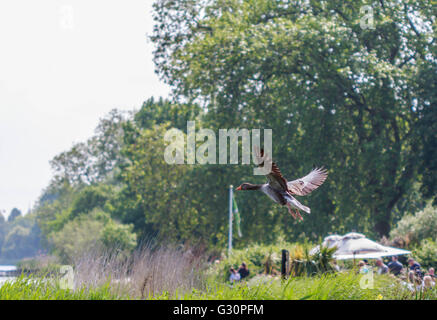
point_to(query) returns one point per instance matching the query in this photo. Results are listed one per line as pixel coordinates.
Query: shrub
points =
(318, 263)
(266, 259)
(119, 235)
(89, 198)
(43, 263)
(95, 229)
(426, 253)
(21, 238)
(417, 227)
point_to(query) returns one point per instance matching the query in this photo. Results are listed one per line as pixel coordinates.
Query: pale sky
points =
(63, 65)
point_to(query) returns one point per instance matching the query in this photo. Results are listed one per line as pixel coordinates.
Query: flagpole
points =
(230, 219)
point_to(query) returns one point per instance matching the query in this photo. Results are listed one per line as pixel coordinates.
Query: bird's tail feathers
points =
(298, 205)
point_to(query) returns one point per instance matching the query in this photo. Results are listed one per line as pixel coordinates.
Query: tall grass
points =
(330, 286)
(110, 274)
(37, 288)
(342, 286)
(175, 273)
(148, 272)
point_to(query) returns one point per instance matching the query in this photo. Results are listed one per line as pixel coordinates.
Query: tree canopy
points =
(360, 101)
(15, 213)
(333, 93)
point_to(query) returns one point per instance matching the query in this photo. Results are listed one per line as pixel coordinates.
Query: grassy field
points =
(341, 286)
(33, 288)
(172, 273)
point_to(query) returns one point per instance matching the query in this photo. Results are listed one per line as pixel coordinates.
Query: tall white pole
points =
(230, 219)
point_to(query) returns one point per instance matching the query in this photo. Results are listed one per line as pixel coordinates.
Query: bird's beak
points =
(239, 188)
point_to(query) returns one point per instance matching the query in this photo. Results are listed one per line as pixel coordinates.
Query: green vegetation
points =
(15, 213)
(333, 93)
(20, 237)
(172, 273)
(419, 232)
(344, 286)
(415, 228)
(358, 101)
(36, 288)
(94, 229)
(41, 264)
(426, 253)
(266, 259)
(361, 102)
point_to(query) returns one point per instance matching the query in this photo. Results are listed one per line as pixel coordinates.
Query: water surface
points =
(4, 268)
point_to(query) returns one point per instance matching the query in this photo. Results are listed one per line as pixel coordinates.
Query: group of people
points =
(413, 276)
(418, 278)
(240, 274)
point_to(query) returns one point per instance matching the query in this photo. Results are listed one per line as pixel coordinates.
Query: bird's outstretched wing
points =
(309, 183)
(274, 177)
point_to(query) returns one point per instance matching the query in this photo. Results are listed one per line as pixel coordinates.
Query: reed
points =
(146, 273)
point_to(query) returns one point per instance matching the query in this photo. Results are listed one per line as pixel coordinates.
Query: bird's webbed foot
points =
(290, 210)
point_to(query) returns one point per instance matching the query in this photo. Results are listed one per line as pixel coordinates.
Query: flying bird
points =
(282, 191)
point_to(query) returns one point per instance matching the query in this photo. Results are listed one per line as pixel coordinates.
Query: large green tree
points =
(15, 213)
(164, 207)
(335, 88)
(92, 161)
(182, 203)
(21, 238)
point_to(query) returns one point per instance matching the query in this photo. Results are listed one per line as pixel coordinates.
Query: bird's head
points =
(248, 186)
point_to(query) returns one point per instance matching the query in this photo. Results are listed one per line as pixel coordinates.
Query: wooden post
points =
(285, 262)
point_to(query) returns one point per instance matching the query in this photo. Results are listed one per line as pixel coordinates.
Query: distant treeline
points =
(19, 237)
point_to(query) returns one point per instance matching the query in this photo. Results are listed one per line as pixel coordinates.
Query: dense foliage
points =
(415, 228)
(333, 92)
(266, 260)
(360, 101)
(419, 232)
(20, 237)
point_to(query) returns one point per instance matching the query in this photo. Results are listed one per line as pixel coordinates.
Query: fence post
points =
(285, 262)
